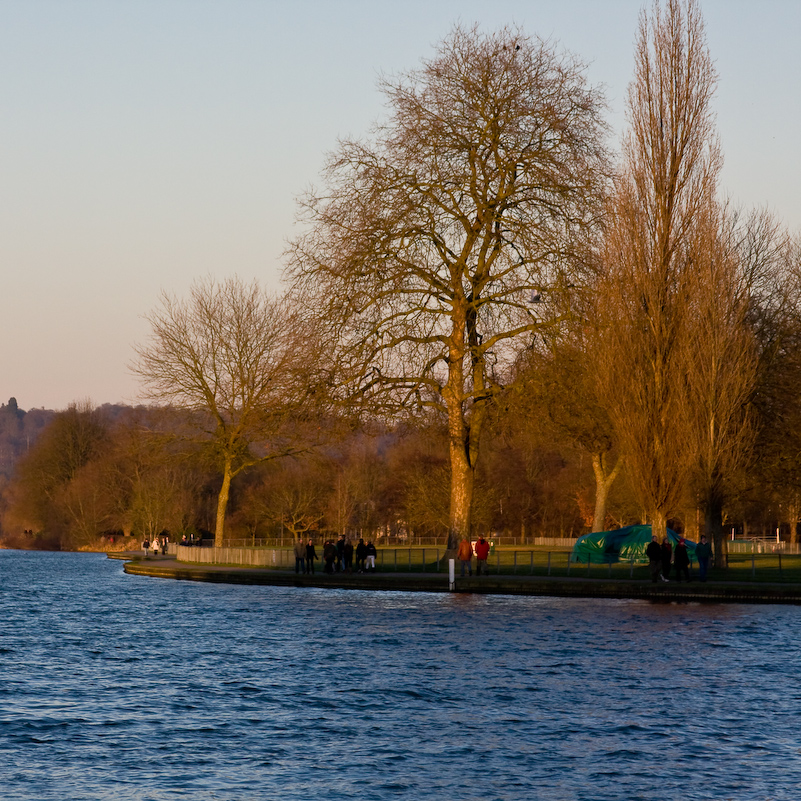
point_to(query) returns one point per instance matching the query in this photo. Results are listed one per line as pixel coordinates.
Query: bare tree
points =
(557, 386)
(721, 367)
(667, 184)
(774, 277)
(230, 355)
(425, 252)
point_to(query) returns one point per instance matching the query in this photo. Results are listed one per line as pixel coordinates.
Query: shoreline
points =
(542, 586)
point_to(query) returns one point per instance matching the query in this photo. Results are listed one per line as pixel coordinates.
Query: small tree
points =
(231, 356)
(558, 387)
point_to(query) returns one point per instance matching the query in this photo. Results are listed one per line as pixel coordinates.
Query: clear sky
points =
(146, 143)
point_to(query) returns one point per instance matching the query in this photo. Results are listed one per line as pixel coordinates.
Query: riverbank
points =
(573, 587)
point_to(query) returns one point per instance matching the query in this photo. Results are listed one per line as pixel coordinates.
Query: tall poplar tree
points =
(663, 208)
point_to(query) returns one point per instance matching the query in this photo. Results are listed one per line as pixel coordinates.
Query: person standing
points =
(348, 555)
(370, 558)
(703, 552)
(340, 564)
(681, 560)
(300, 556)
(482, 554)
(311, 555)
(465, 555)
(155, 546)
(329, 556)
(361, 555)
(667, 555)
(654, 554)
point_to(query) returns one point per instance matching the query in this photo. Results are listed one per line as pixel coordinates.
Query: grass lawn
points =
(770, 567)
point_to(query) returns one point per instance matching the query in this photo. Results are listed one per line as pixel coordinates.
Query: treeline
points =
(85, 476)
(117, 472)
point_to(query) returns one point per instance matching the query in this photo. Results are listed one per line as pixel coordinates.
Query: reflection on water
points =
(125, 687)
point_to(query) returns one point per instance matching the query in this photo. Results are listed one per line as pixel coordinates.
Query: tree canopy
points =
(429, 241)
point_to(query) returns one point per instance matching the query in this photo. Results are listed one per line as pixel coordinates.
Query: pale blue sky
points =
(144, 144)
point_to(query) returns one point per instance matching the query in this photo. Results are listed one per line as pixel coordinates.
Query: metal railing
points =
(776, 566)
(402, 543)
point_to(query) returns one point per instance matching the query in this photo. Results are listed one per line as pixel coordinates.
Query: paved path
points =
(573, 587)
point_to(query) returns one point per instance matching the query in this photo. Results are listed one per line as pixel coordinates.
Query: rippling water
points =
(124, 687)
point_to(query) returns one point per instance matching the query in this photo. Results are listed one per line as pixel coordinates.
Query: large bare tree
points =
(665, 192)
(232, 357)
(428, 244)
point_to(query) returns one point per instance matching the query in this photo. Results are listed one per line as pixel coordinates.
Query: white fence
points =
(763, 546)
(252, 557)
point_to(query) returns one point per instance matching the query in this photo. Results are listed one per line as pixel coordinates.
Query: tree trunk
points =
(462, 479)
(222, 505)
(659, 525)
(603, 483)
(713, 521)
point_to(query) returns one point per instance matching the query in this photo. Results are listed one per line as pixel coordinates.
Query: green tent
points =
(623, 545)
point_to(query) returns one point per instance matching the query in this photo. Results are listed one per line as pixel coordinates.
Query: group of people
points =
(465, 556)
(662, 557)
(158, 544)
(337, 556)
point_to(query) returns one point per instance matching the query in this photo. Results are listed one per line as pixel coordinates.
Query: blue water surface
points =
(126, 687)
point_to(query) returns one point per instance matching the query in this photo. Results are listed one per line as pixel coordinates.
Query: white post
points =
(451, 574)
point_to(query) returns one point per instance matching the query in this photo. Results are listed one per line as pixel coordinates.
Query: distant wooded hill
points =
(19, 430)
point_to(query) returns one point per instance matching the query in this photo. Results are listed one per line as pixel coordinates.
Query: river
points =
(121, 688)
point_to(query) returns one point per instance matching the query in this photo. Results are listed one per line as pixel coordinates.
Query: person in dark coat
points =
(348, 555)
(311, 555)
(667, 555)
(370, 557)
(300, 556)
(361, 555)
(654, 554)
(703, 552)
(329, 555)
(340, 563)
(681, 560)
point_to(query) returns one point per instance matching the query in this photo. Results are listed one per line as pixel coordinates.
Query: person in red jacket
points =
(482, 552)
(465, 554)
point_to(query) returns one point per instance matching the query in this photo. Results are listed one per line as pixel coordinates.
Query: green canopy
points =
(622, 545)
